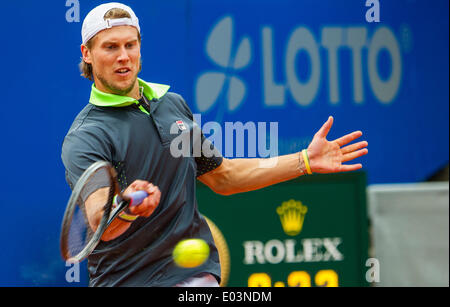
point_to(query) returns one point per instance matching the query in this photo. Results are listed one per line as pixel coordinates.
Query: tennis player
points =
(128, 122)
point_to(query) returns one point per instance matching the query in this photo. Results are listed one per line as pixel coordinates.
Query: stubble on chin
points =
(114, 89)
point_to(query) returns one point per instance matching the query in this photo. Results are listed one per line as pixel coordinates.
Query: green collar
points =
(151, 90)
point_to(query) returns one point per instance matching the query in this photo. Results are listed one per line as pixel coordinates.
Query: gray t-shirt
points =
(138, 146)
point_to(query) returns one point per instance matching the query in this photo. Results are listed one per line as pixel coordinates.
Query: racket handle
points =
(137, 197)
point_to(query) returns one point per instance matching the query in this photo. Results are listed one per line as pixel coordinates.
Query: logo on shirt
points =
(180, 125)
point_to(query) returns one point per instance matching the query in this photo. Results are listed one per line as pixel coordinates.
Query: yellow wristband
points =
(127, 217)
(306, 160)
(124, 216)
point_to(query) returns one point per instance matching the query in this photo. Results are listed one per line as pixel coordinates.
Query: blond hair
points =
(85, 68)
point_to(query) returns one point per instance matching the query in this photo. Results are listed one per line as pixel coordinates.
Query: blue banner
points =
(297, 62)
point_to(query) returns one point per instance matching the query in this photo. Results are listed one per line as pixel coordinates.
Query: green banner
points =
(312, 231)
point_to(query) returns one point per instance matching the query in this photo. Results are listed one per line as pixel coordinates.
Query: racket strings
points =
(80, 233)
(98, 192)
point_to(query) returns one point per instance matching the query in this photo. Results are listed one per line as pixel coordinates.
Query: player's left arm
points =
(242, 175)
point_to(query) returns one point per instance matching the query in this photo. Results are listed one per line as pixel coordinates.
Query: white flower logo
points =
(211, 84)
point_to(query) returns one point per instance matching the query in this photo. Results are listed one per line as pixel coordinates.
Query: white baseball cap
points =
(94, 21)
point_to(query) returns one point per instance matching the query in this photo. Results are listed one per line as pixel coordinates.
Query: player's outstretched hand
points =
(150, 203)
(328, 156)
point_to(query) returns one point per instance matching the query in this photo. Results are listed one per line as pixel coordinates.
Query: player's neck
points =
(134, 93)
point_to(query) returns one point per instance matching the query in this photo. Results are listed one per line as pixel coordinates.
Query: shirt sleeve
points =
(210, 158)
(79, 151)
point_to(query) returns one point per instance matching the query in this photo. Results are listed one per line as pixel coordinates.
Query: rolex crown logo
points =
(292, 214)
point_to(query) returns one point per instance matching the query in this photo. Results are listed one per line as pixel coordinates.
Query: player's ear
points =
(86, 53)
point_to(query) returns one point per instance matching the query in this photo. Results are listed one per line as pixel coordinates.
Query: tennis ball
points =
(190, 253)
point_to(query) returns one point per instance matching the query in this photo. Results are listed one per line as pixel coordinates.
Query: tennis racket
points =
(78, 237)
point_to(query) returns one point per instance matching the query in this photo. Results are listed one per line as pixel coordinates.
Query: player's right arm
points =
(83, 147)
(94, 208)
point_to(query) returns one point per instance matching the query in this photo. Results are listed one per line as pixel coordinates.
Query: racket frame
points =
(107, 218)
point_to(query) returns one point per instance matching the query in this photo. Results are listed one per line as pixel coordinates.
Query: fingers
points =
(137, 185)
(353, 147)
(140, 185)
(323, 131)
(355, 154)
(349, 168)
(353, 151)
(150, 203)
(348, 138)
